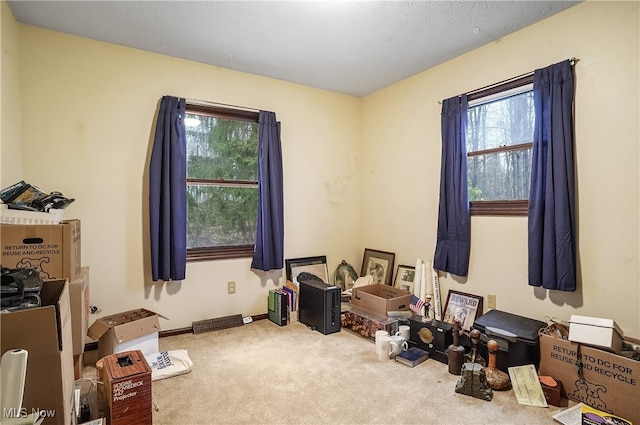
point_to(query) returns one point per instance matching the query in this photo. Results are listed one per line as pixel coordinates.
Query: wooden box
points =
(127, 383)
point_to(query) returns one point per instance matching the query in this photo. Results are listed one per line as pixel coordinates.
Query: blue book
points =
(412, 357)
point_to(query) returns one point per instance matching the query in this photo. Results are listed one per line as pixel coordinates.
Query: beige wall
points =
(358, 173)
(10, 129)
(401, 163)
(88, 113)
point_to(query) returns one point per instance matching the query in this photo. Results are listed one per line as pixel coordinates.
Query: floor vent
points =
(217, 324)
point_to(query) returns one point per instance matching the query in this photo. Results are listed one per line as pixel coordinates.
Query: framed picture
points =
(314, 265)
(404, 278)
(378, 264)
(463, 308)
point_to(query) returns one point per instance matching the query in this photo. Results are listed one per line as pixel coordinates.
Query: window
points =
(222, 182)
(499, 138)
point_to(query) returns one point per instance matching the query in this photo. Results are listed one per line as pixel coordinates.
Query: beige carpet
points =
(261, 373)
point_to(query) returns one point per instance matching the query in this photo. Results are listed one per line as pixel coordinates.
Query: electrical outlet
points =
(231, 287)
(491, 301)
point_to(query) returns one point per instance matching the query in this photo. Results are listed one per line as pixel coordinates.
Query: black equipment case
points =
(319, 306)
(516, 335)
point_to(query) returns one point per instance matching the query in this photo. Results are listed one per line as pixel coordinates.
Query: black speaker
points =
(319, 306)
(433, 336)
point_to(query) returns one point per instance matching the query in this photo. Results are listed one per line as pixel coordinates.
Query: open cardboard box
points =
(45, 332)
(130, 330)
(609, 382)
(380, 298)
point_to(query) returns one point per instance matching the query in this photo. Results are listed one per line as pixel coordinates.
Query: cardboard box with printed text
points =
(51, 249)
(609, 382)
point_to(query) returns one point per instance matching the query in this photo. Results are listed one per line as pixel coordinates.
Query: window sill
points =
(499, 208)
(219, 253)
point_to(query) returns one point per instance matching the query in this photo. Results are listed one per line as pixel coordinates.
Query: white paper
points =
(570, 416)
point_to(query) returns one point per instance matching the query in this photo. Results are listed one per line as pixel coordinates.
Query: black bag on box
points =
(20, 289)
(516, 335)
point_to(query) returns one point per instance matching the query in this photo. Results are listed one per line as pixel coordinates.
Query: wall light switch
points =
(231, 287)
(491, 301)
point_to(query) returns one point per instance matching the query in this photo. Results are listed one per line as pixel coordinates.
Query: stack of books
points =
(279, 306)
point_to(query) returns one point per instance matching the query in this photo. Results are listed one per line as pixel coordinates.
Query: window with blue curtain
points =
(214, 205)
(550, 204)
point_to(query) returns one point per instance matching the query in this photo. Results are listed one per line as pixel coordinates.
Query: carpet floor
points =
(261, 373)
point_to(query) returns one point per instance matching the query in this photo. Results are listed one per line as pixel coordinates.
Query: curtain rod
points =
(528, 74)
(209, 103)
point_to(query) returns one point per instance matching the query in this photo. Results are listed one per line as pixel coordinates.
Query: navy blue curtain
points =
(454, 229)
(268, 252)
(552, 239)
(168, 193)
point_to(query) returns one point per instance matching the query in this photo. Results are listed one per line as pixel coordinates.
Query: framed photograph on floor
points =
(404, 278)
(378, 264)
(463, 308)
(315, 265)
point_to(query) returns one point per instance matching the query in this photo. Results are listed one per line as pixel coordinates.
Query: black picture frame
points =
(405, 276)
(460, 304)
(379, 264)
(315, 265)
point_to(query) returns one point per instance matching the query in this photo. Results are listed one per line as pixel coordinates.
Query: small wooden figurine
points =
(497, 379)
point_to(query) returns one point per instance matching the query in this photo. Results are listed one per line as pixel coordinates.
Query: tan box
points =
(127, 385)
(127, 331)
(78, 365)
(79, 297)
(52, 249)
(601, 333)
(609, 381)
(381, 298)
(45, 332)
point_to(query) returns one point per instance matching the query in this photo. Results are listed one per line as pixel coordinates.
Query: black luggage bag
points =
(516, 335)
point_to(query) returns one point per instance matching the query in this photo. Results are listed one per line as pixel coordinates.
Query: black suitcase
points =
(516, 335)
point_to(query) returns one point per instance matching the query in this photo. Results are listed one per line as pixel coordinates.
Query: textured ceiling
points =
(352, 47)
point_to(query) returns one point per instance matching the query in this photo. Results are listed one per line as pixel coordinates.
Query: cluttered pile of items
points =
(24, 203)
(585, 359)
(45, 314)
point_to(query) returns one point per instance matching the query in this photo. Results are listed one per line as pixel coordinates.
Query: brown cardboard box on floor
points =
(45, 332)
(130, 330)
(609, 382)
(51, 249)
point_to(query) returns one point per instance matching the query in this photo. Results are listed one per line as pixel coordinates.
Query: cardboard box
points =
(78, 365)
(127, 385)
(602, 333)
(127, 331)
(380, 298)
(609, 382)
(52, 249)
(79, 297)
(45, 332)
